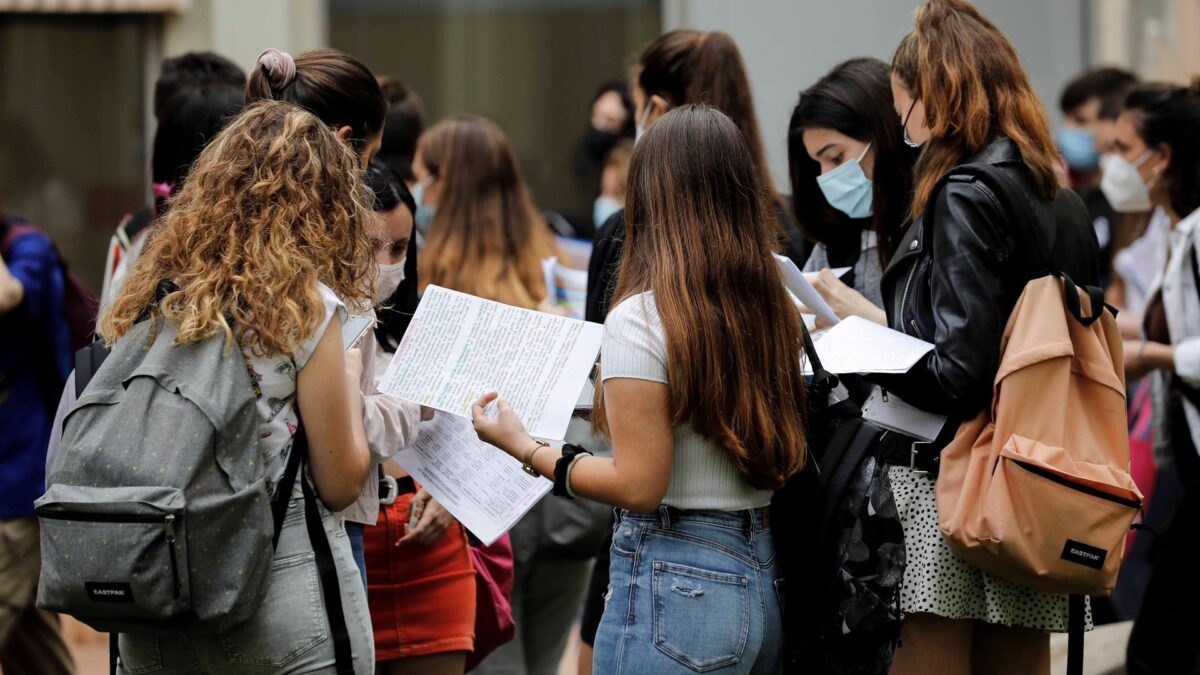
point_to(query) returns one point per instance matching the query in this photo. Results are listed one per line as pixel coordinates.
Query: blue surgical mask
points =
(604, 208)
(847, 188)
(1078, 145)
(423, 218)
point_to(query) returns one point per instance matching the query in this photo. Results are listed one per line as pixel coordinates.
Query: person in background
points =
(421, 580)
(610, 123)
(613, 177)
(343, 94)
(1090, 104)
(402, 127)
(961, 95)
(851, 180)
(485, 236)
(679, 68)
(194, 95)
(273, 227)
(698, 300)
(1157, 163)
(35, 357)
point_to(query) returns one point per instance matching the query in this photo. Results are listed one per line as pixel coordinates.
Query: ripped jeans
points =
(691, 592)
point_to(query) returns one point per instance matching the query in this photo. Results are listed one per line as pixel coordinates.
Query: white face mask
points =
(1123, 186)
(387, 280)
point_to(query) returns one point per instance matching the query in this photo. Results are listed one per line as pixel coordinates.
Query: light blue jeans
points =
(288, 634)
(691, 592)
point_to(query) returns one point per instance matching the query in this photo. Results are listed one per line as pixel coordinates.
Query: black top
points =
(957, 284)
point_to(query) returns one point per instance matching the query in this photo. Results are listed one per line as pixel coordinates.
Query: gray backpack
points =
(157, 515)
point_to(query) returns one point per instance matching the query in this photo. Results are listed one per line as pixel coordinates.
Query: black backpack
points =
(840, 543)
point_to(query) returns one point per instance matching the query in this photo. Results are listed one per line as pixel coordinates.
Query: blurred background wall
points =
(76, 75)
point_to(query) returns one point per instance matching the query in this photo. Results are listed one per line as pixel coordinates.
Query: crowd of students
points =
(286, 201)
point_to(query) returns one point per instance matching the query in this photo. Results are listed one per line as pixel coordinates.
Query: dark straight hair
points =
(694, 67)
(332, 85)
(402, 127)
(187, 122)
(1167, 114)
(396, 313)
(854, 99)
(194, 69)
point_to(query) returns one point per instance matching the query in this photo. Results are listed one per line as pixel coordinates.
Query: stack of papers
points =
(459, 347)
(857, 345)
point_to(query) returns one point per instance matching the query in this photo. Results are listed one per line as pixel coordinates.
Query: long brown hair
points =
(691, 66)
(695, 237)
(486, 238)
(975, 91)
(272, 206)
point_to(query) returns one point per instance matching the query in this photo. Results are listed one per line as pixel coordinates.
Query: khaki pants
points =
(30, 641)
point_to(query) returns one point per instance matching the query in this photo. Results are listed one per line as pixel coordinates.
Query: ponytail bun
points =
(273, 71)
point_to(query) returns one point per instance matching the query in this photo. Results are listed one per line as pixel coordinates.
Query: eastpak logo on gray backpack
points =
(157, 515)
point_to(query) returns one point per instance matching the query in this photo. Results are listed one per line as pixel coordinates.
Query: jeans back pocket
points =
(701, 618)
(290, 622)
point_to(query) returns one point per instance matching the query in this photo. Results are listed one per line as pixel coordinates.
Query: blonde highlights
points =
(272, 207)
(975, 91)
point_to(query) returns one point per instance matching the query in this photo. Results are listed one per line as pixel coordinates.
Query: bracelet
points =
(527, 465)
(570, 453)
(570, 468)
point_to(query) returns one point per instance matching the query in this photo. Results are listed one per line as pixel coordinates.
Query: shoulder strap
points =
(326, 569)
(1005, 188)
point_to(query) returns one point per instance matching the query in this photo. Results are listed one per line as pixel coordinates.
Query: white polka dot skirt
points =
(937, 582)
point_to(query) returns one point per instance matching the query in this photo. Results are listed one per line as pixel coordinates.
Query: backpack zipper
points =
(168, 521)
(1078, 487)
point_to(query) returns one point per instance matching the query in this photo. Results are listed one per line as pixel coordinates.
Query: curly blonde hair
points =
(274, 205)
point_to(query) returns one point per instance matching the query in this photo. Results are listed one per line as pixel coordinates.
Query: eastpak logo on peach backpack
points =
(1037, 488)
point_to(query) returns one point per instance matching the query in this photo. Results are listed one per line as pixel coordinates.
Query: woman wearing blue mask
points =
(851, 179)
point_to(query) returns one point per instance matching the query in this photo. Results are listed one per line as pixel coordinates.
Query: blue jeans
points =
(354, 532)
(691, 592)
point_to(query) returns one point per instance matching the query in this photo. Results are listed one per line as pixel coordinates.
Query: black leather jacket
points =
(956, 285)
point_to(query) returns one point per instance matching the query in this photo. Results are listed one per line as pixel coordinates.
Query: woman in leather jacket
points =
(962, 96)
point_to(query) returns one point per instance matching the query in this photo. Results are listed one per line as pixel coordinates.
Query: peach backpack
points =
(1037, 488)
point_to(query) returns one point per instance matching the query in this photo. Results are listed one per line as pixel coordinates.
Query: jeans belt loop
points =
(664, 516)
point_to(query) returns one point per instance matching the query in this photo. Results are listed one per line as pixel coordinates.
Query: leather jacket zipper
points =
(904, 298)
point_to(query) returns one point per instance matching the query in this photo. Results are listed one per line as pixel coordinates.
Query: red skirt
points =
(422, 598)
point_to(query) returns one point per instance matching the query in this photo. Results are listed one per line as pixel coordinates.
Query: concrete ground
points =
(1104, 652)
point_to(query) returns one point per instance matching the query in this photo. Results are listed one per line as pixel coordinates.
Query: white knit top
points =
(702, 475)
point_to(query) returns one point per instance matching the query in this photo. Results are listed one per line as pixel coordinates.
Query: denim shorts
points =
(288, 634)
(691, 592)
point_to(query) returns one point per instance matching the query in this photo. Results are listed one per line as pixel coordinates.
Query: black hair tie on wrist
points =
(569, 452)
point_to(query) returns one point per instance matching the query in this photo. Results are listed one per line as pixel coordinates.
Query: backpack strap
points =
(322, 552)
(1075, 629)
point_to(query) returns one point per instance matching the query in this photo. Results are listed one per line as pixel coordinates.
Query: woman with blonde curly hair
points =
(268, 232)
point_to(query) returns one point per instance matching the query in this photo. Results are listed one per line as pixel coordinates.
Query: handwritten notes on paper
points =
(459, 347)
(483, 488)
